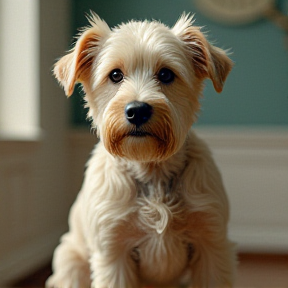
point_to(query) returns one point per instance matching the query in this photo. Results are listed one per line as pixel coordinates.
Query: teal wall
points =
(256, 92)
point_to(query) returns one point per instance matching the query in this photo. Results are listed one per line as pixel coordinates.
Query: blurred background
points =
(45, 139)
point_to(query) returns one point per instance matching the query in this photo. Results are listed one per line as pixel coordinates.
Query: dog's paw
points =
(73, 280)
(52, 282)
(55, 282)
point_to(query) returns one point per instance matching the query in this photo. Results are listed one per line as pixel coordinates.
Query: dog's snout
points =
(138, 113)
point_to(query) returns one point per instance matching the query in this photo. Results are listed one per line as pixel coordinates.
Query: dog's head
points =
(142, 82)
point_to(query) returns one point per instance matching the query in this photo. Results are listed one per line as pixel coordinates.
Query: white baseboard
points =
(254, 165)
(27, 258)
(262, 240)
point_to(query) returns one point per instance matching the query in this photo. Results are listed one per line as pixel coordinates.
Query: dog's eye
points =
(166, 76)
(116, 75)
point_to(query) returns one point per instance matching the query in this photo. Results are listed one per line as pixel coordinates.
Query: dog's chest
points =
(163, 251)
(160, 206)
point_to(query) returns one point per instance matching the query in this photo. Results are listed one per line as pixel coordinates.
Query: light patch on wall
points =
(19, 65)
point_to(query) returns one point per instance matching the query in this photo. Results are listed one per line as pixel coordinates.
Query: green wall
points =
(256, 92)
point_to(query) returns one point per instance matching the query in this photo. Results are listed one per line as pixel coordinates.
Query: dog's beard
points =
(153, 141)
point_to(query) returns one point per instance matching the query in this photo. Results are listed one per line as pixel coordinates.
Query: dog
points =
(152, 210)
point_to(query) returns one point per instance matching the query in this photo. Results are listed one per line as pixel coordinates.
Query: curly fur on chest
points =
(164, 250)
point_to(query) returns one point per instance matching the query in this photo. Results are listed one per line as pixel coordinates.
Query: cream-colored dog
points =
(152, 209)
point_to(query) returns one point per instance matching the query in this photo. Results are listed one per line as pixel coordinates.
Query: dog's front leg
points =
(71, 267)
(214, 260)
(112, 265)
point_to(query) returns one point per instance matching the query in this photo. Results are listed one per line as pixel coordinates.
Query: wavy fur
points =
(152, 210)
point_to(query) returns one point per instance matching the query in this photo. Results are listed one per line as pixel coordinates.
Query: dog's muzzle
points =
(138, 113)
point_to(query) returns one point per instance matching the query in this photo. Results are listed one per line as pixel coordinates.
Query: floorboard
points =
(254, 271)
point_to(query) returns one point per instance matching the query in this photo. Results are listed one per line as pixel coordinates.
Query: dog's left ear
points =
(76, 66)
(208, 60)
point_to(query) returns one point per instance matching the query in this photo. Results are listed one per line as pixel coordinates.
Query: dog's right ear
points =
(76, 66)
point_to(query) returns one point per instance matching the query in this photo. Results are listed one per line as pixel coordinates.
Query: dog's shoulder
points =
(99, 168)
(199, 158)
(202, 178)
(197, 148)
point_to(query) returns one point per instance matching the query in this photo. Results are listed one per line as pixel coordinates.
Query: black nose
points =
(138, 113)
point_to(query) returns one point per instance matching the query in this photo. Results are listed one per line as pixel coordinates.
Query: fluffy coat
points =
(152, 209)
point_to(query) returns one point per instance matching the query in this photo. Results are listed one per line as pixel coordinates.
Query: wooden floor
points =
(265, 271)
(254, 271)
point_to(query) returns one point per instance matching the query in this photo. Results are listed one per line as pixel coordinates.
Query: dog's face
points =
(142, 82)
